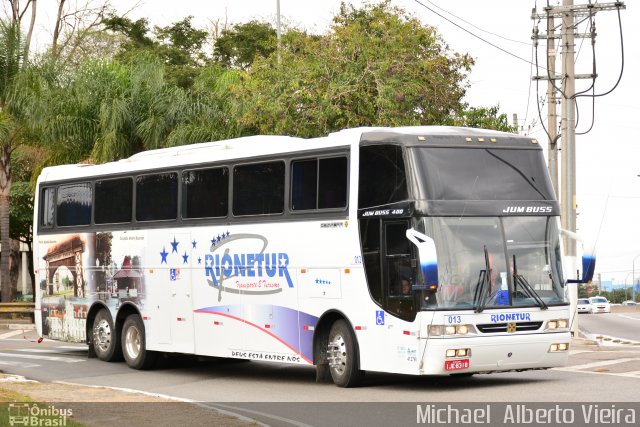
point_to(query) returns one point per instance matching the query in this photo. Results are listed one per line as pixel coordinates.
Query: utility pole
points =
(278, 32)
(552, 123)
(567, 12)
(568, 129)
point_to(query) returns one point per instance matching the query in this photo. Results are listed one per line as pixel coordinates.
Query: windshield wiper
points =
(519, 279)
(481, 294)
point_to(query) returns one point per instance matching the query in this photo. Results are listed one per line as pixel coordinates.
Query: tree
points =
(483, 117)
(25, 160)
(180, 46)
(240, 45)
(376, 66)
(12, 133)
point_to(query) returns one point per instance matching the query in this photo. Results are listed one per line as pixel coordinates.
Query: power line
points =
(475, 26)
(473, 34)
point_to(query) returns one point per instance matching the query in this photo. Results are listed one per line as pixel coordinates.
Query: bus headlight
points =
(554, 348)
(450, 330)
(458, 352)
(557, 324)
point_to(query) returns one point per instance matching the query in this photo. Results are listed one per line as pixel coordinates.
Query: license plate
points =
(455, 365)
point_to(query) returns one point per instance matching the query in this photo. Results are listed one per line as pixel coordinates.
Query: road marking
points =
(602, 363)
(11, 334)
(629, 317)
(262, 414)
(630, 374)
(47, 358)
(129, 390)
(72, 347)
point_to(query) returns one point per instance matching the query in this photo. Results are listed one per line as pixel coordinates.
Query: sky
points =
(608, 156)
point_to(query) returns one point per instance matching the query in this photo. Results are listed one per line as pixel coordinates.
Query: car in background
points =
(600, 305)
(584, 306)
(629, 303)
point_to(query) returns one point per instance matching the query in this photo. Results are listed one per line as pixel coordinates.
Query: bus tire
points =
(105, 342)
(134, 344)
(343, 355)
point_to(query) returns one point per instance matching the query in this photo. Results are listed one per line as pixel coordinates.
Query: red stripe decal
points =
(258, 327)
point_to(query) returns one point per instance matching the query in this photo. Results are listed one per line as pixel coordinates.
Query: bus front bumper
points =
(495, 354)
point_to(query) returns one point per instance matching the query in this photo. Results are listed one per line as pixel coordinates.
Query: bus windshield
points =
(494, 262)
(481, 174)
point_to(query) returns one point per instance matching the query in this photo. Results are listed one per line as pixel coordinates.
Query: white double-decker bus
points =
(418, 250)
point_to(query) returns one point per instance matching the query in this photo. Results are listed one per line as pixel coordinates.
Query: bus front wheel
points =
(134, 344)
(342, 356)
(105, 339)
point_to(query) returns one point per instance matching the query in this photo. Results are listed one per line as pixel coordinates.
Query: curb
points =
(18, 326)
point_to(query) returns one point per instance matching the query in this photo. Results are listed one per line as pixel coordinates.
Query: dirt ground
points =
(100, 406)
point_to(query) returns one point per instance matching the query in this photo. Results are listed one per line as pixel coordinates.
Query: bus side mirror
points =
(428, 257)
(588, 269)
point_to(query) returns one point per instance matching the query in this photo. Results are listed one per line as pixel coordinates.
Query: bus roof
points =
(251, 147)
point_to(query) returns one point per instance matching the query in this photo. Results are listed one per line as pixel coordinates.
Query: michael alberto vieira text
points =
(515, 414)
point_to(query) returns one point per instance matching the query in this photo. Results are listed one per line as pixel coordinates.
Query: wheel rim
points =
(102, 335)
(132, 342)
(337, 354)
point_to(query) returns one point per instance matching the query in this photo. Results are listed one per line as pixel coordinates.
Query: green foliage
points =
(21, 211)
(240, 45)
(135, 31)
(179, 46)
(377, 66)
(483, 117)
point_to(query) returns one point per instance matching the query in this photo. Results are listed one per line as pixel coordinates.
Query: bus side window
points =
(47, 207)
(113, 201)
(74, 204)
(319, 183)
(382, 176)
(205, 193)
(258, 189)
(157, 197)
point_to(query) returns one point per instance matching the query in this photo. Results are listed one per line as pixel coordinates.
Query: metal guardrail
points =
(17, 312)
(17, 307)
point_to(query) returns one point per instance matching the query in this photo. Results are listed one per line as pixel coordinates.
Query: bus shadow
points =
(447, 383)
(246, 370)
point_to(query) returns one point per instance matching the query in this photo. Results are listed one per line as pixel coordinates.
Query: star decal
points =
(174, 245)
(185, 258)
(194, 243)
(164, 254)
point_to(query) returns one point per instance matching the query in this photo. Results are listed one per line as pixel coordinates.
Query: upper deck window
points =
(74, 204)
(157, 197)
(205, 193)
(114, 201)
(319, 183)
(258, 189)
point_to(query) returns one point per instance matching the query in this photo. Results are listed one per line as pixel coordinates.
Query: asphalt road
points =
(277, 394)
(622, 325)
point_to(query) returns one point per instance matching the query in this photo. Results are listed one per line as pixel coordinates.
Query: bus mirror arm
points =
(427, 256)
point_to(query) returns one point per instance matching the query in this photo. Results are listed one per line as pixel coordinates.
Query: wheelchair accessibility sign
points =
(379, 317)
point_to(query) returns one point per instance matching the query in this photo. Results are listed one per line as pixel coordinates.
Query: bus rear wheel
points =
(342, 356)
(134, 344)
(105, 339)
